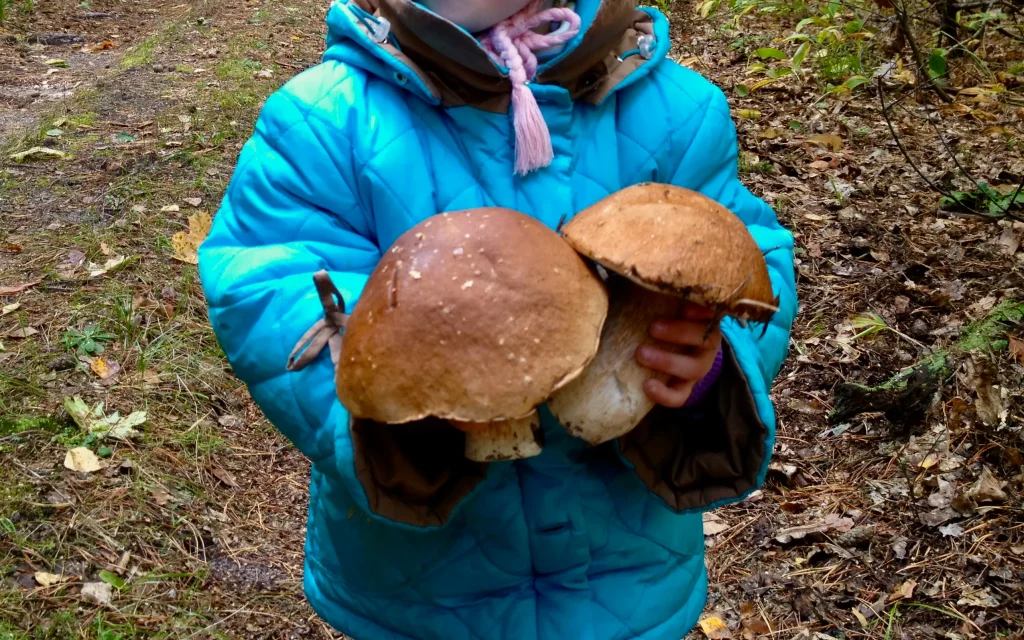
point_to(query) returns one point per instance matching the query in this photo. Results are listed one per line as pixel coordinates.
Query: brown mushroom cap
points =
(677, 241)
(474, 316)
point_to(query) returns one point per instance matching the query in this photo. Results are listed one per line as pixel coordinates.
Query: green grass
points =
(141, 54)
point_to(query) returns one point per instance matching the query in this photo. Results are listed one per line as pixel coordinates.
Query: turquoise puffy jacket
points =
(402, 120)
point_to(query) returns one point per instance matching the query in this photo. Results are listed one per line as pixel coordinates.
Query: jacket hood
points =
(403, 42)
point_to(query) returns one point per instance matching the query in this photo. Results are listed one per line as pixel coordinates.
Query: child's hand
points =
(685, 368)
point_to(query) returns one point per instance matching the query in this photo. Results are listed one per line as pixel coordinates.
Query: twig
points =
(901, 14)
(906, 154)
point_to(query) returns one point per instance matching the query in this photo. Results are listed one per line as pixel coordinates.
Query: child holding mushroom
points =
(545, 108)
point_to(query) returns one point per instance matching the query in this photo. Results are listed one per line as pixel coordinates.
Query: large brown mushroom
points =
(475, 317)
(663, 245)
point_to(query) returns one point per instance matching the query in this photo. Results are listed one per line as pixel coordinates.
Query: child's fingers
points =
(672, 396)
(688, 333)
(686, 367)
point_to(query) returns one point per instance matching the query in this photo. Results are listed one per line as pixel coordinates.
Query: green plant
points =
(85, 342)
(4, 6)
(984, 198)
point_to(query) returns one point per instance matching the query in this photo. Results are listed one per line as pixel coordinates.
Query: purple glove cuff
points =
(700, 390)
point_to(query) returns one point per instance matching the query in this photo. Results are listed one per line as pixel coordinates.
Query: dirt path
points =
(893, 506)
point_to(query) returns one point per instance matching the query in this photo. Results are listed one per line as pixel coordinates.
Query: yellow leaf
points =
(186, 244)
(828, 140)
(860, 617)
(100, 367)
(761, 83)
(715, 628)
(768, 134)
(752, 114)
(10, 308)
(44, 579)
(82, 460)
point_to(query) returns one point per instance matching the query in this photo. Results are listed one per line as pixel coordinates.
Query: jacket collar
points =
(456, 71)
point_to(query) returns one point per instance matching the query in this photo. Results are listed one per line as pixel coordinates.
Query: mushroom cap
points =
(677, 241)
(476, 316)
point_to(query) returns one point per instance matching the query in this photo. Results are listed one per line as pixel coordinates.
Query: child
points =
(408, 116)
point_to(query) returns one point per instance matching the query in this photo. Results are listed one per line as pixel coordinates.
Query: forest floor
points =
(894, 506)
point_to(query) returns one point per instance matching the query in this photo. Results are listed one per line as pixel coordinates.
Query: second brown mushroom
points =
(663, 245)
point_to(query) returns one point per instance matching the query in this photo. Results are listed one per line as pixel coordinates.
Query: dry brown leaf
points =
(102, 46)
(193, 202)
(171, 208)
(828, 140)
(903, 592)
(186, 244)
(1017, 348)
(11, 289)
(715, 628)
(161, 497)
(1008, 242)
(82, 460)
(819, 165)
(22, 332)
(224, 476)
(988, 488)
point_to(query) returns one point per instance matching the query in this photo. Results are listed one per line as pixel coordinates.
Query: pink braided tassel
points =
(512, 42)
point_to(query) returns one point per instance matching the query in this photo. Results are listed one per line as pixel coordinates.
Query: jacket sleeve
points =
(297, 204)
(717, 452)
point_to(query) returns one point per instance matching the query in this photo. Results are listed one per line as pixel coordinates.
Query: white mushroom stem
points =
(502, 440)
(607, 400)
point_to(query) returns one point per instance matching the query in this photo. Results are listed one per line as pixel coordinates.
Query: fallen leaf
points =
(828, 140)
(82, 460)
(816, 530)
(96, 270)
(186, 244)
(37, 153)
(879, 255)
(903, 592)
(715, 628)
(1017, 348)
(44, 579)
(224, 476)
(106, 370)
(714, 526)
(229, 421)
(22, 332)
(194, 202)
(952, 530)
(11, 289)
(988, 488)
(68, 267)
(819, 165)
(161, 497)
(860, 617)
(265, 73)
(750, 114)
(171, 208)
(10, 308)
(93, 420)
(102, 46)
(104, 249)
(1008, 242)
(56, 62)
(978, 598)
(97, 592)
